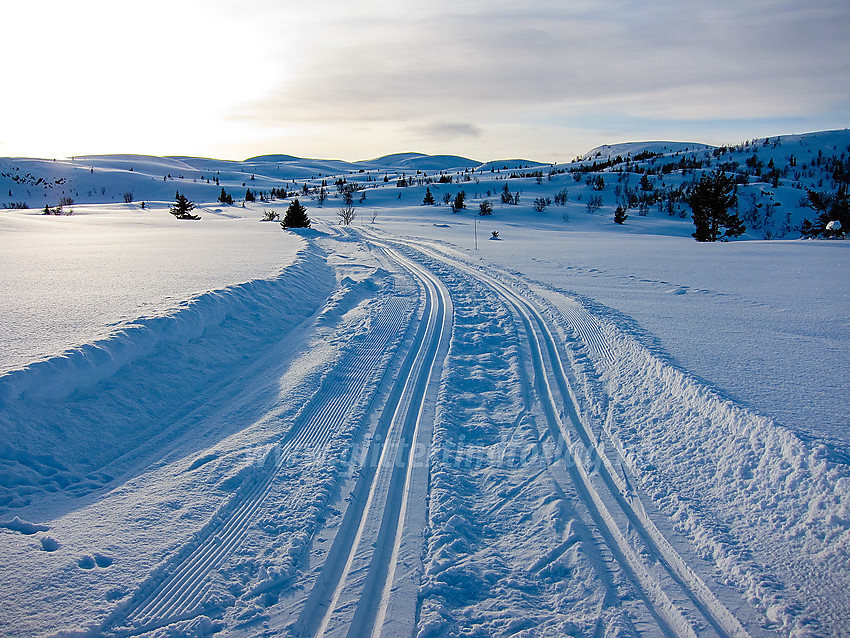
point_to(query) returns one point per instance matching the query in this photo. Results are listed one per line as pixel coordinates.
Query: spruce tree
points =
(710, 202)
(459, 202)
(295, 217)
(620, 215)
(183, 208)
(429, 198)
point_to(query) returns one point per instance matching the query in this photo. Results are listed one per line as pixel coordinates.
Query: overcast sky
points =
(352, 79)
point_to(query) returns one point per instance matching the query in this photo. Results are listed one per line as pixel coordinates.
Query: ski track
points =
(357, 582)
(383, 490)
(679, 600)
(179, 590)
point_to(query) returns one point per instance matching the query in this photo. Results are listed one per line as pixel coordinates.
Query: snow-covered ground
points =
(70, 280)
(408, 427)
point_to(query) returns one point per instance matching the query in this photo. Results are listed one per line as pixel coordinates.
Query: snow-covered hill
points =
(650, 178)
(633, 149)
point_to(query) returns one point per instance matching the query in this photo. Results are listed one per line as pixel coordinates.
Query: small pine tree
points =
(459, 202)
(249, 195)
(224, 198)
(620, 215)
(428, 200)
(295, 217)
(183, 208)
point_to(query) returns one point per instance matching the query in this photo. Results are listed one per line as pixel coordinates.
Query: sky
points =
(356, 79)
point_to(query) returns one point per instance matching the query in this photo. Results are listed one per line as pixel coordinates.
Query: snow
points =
(72, 280)
(398, 428)
(763, 322)
(610, 151)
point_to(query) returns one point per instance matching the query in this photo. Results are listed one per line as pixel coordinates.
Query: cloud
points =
(505, 63)
(447, 131)
(367, 78)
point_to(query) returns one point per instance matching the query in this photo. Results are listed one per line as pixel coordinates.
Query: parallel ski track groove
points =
(670, 618)
(371, 611)
(179, 592)
(405, 401)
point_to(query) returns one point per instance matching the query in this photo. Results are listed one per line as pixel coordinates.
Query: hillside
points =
(652, 179)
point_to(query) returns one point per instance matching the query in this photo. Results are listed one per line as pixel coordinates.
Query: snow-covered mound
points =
(271, 158)
(631, 149)
(420, 162)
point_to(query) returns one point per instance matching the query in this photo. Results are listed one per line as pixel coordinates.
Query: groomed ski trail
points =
(179, 589)
(370, 538)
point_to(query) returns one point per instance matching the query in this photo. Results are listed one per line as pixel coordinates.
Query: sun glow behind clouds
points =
(103, 76)
(354, 80)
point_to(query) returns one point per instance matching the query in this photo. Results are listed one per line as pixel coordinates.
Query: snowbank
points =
(62, 418)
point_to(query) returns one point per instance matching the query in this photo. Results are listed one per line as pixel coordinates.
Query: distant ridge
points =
(634, 148)
(511, 164)
(273, 158)
(421, 161)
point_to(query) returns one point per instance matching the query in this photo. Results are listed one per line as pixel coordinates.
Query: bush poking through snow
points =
(270, 216)
(540, 203)
(594, 204)
(561, 197)
(346, 214)
(56, 210)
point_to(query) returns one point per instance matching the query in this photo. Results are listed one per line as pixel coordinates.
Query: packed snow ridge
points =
(392, 427)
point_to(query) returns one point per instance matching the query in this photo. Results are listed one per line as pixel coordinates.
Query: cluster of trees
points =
(711, 200)
(833, 214)
(508, 197)
(833, 209)
(224, 197)
(57, 210)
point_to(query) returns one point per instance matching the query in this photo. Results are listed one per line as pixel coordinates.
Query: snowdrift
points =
(65, 417)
